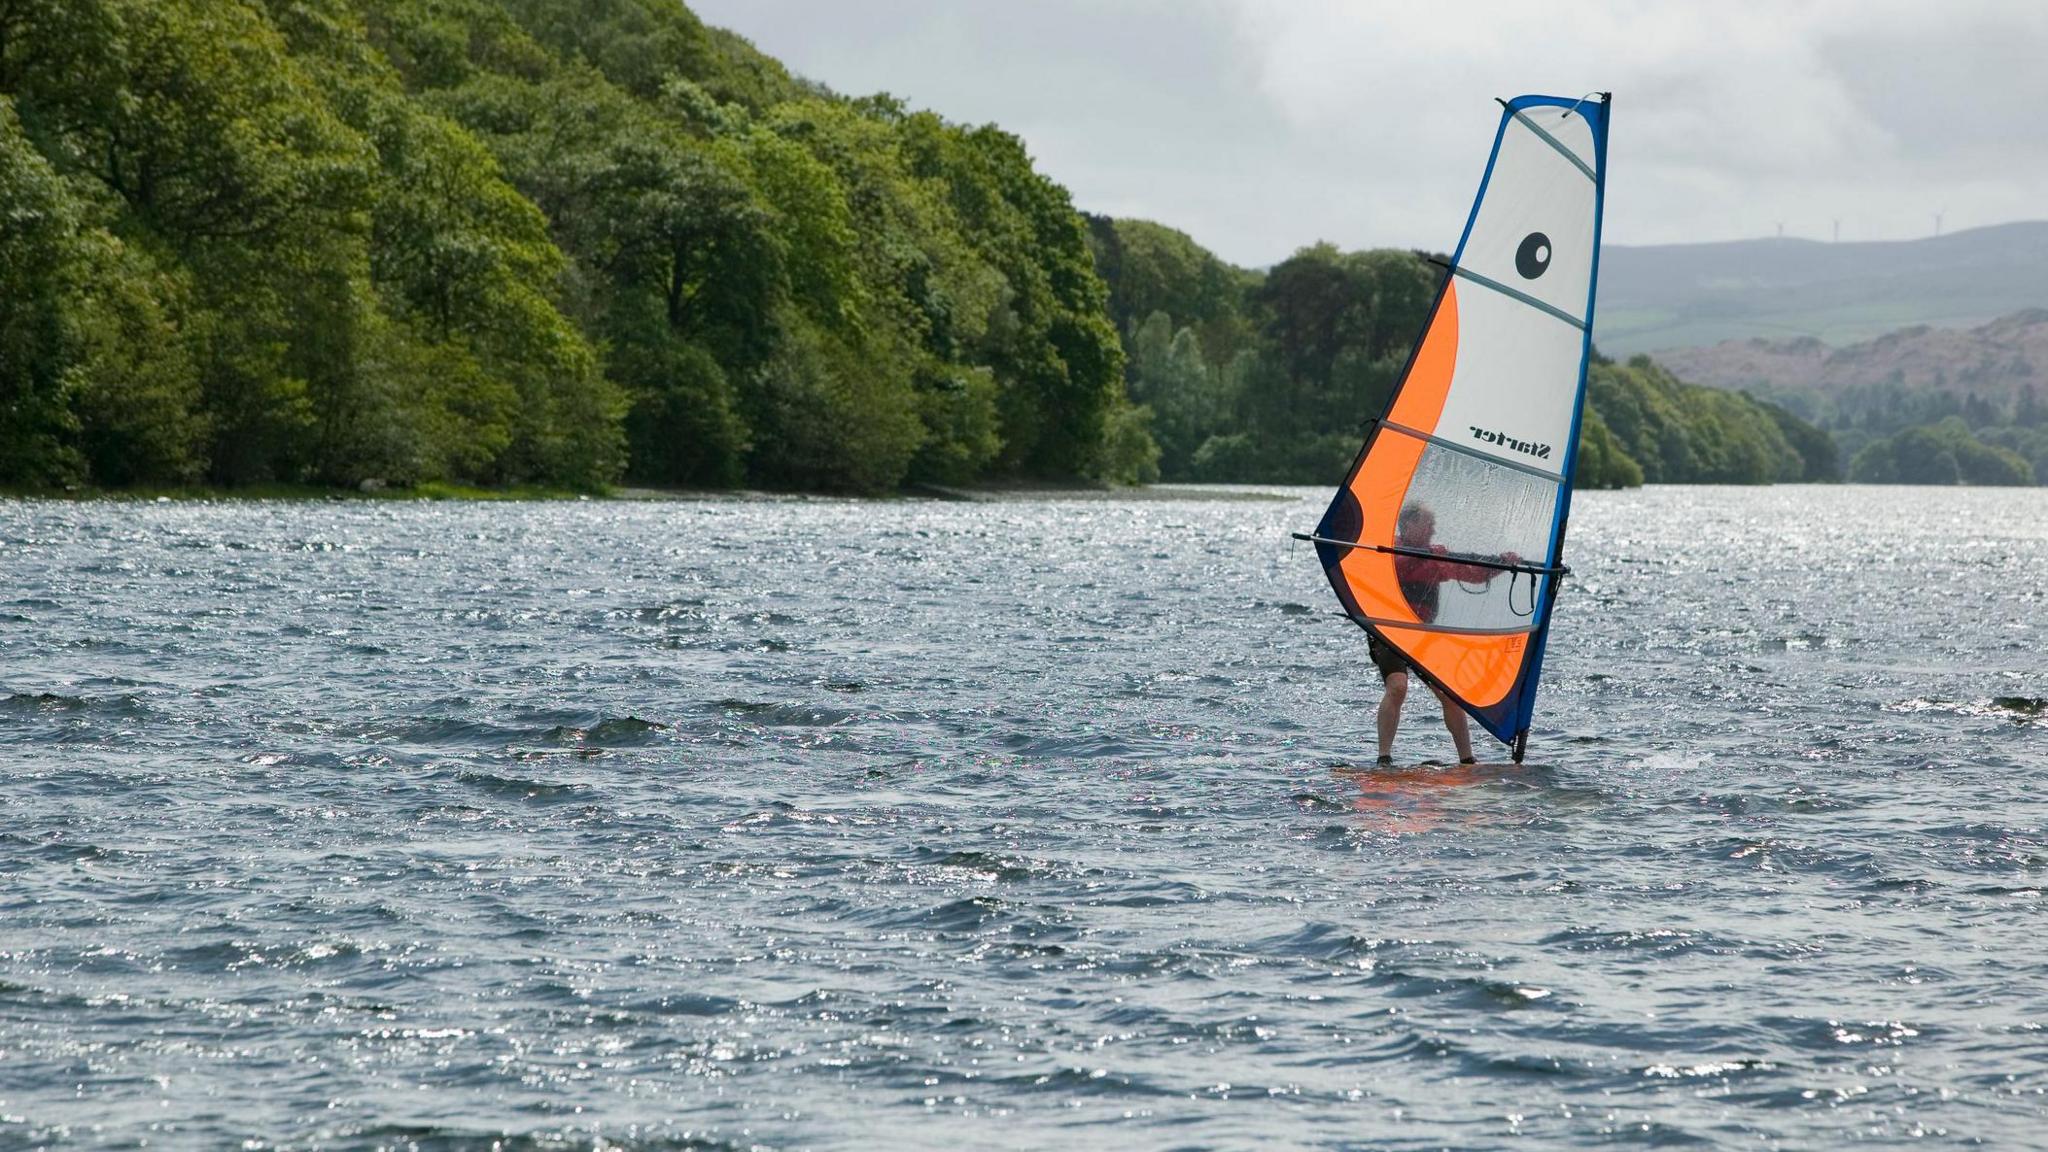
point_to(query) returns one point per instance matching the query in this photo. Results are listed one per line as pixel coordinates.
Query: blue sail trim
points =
(1485, 178)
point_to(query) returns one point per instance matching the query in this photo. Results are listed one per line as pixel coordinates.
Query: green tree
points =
(220, 148)
(508, 241)
(679, 274)
(1057, 361)
(39, 266)
(828, 423)
(1820, 457)
(1602, 462)
(1946, 452)
(2029, 443)
(138, 395)
(1170, 375)
(1685, 434)
(1150, 268)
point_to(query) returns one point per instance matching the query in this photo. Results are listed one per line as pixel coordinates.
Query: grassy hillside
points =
(1676, 296)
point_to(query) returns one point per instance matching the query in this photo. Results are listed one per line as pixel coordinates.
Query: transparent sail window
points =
(1478, 507)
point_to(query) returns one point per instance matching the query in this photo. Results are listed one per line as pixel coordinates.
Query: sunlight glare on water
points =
(839, 824)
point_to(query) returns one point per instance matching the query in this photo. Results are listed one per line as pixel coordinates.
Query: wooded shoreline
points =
(533, 245)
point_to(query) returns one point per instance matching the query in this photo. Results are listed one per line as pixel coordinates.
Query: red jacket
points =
(1419, 577)
(1416, 570)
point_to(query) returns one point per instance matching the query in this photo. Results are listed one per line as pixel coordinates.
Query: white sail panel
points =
(1533, 232)
(1515, 388)
(1569, 127)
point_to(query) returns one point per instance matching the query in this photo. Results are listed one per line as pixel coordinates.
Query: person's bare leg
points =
(1390, 712)
(1454, 719)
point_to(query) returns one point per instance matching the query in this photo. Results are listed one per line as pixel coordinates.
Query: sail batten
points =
(1524, 297)
(1445, 539)
(1446, 629)
(1454, 446)
(1523, 119)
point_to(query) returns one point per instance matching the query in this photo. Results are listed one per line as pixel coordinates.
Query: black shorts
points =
(1384, 657)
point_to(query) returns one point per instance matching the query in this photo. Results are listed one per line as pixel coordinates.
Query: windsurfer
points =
(1421, 579)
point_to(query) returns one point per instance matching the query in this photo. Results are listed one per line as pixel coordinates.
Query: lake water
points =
(834, 824)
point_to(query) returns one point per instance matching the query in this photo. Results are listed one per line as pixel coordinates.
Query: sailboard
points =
(1445, 540)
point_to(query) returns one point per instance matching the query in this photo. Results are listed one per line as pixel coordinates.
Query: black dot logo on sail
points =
(1532, 259)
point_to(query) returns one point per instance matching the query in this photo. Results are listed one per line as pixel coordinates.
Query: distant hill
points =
(1921, 405)
(1691, 295)
(1993, 362)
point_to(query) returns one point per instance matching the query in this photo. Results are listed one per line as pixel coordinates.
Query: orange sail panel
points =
(1445, 538)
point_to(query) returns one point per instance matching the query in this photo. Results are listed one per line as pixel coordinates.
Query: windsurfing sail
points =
(1446, 539)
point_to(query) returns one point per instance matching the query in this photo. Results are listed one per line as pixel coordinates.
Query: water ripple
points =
(1033, 823)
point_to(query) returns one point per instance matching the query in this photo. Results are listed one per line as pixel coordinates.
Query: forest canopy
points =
(519, 241)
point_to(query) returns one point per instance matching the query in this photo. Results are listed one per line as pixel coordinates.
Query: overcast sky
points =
(1262, 125)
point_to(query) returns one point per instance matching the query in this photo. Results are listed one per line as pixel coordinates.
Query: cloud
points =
(1260, 126)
